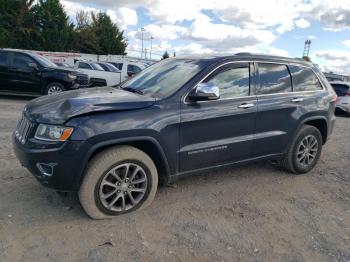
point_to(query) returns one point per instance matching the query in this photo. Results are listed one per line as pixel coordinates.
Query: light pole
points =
(142, 30)
(150, 53)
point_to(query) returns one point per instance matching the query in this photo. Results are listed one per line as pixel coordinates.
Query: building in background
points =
(337, 77)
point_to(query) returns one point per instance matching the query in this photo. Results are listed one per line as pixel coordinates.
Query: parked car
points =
(98, 76)
(343, 91)
(31, 74)
(178, 117)
(129, 69)
(109, 67)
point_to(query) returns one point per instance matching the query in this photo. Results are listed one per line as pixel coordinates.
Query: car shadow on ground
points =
(17, 98)
(264, 171)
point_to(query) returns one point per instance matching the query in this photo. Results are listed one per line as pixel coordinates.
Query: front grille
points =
(83, 79)
(23, 129)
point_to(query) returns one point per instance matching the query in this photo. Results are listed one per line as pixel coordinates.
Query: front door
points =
(218, 132)
(22, 76)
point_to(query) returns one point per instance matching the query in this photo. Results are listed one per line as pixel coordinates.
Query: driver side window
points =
(21, 62)
(232, 81)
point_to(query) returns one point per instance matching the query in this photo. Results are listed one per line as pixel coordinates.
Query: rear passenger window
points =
(304, 79)
(232, 81)
(274, 79)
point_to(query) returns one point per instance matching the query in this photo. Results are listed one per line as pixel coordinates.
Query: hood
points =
(61, 68)
(57, 109)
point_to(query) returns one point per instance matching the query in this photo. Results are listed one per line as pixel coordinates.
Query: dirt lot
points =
(246, 213)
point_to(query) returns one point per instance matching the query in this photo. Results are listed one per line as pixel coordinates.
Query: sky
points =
(278, 27)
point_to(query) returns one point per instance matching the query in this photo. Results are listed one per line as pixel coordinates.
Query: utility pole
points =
(142, 30)
(150, 53)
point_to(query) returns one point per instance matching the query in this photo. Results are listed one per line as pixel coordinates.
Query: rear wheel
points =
(118, 180)
(304, 152)
(54, 88)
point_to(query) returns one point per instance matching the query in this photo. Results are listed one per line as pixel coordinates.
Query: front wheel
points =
(117, 181)
(304, 152)
(54, 88)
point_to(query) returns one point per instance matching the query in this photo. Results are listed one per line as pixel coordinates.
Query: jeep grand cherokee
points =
(178, 117)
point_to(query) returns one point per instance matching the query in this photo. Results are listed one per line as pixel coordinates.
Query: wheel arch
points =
(148, 145)
(320, 123)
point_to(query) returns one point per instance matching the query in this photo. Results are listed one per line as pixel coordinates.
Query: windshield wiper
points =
(130, 89)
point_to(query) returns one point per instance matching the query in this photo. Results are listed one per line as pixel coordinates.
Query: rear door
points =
(277, 107)
(219, 131)
(4, 70)
(23, 77)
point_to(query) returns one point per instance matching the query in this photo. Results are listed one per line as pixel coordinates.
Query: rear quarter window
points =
(304, 79)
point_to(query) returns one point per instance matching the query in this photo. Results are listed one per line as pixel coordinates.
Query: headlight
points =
(71, 76)
(53, 133)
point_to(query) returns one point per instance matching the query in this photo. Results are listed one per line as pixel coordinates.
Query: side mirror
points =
(33, 65)
(205, 91)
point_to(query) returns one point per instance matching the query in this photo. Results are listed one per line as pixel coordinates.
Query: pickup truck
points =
(97, 75)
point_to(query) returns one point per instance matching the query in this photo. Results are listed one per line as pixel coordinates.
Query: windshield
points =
(164, 78)
(44, 61)
(97, 67)
(112, 68)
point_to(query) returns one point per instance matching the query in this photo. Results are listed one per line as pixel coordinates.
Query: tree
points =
(110, 39)
(85, 39)
(165, 55)
(16, 23)
(44, 25)
(52, 23)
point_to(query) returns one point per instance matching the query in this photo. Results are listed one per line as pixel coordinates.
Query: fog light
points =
(46, 168)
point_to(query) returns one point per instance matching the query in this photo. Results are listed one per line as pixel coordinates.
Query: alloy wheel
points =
(123, 187)
(307, 150)
(54, 90)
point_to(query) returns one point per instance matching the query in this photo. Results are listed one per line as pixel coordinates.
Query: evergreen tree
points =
(46, 26)
(52, 23)
(165, 55)
(110, 39)
(16, 23)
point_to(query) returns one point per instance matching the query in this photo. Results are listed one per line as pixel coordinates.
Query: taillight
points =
(348, 93)
(334, 98)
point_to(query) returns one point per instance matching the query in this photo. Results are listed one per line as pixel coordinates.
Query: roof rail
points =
(243, 53)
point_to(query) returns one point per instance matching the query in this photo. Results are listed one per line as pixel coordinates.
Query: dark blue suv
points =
(178, 117)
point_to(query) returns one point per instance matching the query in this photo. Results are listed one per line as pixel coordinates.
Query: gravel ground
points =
(246, 213)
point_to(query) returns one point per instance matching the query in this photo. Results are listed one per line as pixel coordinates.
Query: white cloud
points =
(346, 43)
(302, 23)
(124, 17)
(334, 61)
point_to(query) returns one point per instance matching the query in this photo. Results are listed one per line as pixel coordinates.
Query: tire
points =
(54, 88)
(108, 172)
(297, 153)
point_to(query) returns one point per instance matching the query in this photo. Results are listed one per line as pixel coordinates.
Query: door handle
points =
(297, 99)
(246, 105)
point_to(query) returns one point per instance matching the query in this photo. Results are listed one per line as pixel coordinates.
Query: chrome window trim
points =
(254, 62)
(203, 78)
